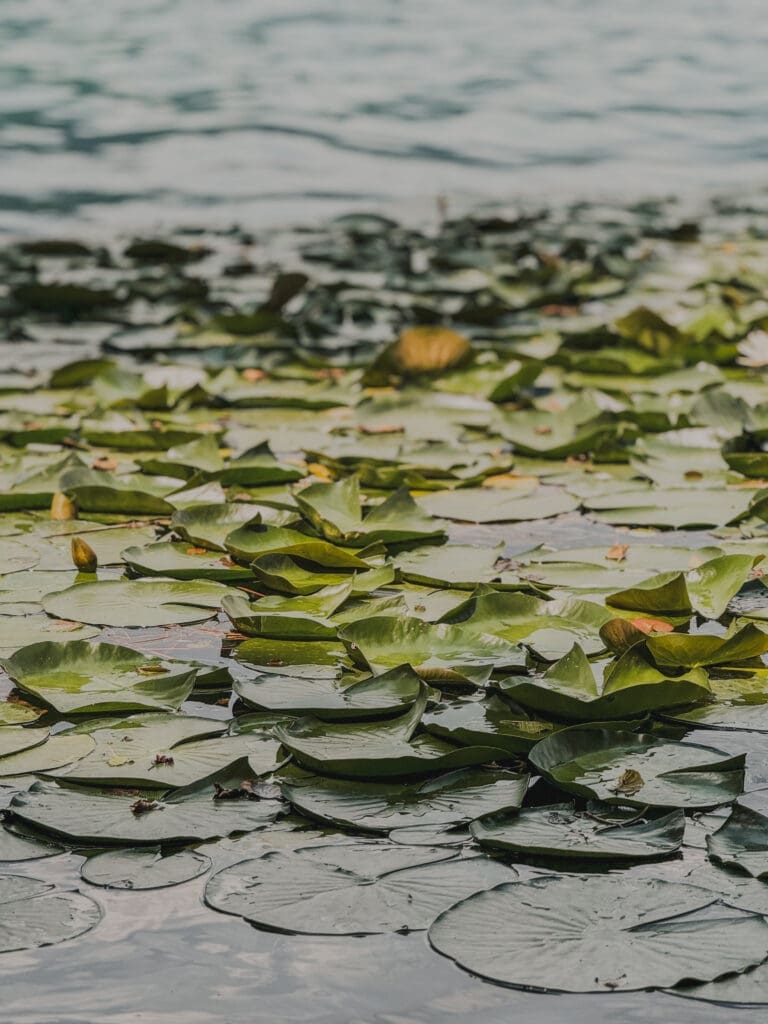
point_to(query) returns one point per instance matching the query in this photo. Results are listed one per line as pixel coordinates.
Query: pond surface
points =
(180, 111)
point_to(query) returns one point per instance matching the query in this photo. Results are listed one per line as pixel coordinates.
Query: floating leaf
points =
(144, 868)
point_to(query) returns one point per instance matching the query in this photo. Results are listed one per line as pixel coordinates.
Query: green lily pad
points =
(438, 652)
(562, 831)
(492, 505)
(300, 618)
(742, 842)
(290, 575)
(631, 685)
(35, 913)
(488, 722)
(179, 561)
(308, 658)
(104, 816)
(144, 868)
(336, 512)
(451, 799)
(618, 767)
(592, 933)
(705, 590)
(548, 628)
(78, 677)
(703, 649)
(337, 890)
(376, 697)
(382, 749)
(137, 602)
(208, 526)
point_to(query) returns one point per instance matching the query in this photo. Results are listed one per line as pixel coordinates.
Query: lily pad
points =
(137, 602)
(350, 889)
(618, 767)
(571, 933)
(79, 677)
(451, 799)
(562, 831)
(144, 868)
(34, 913)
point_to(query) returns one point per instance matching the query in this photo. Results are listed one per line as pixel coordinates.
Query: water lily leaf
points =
(145, 868)
(208, 526)
(675, 508)
(13, 740)
(179, 561)
(703, 649)
(382, 749)
(58, 751)
(488, 722)
(451, 799)
(375, 697)
(619, 767)
(81, 814)
(15, 556)
(18, 712)
(34, 913)
(140, 753)
(356, 889)
(562, 831)
(548, 628)
(199, 459)
(631, 685)
(78, 676)
(336, 512)
(299, 618)
(308, 658)
(440, 653)
(592, 933)
(257, 539)
(17, 845)
(96, 491)
(487, 505)
(742, 842)
(462, 566)
(705, 590)
(290, 575)
(138, 602)
(17, 632)
(258, 467)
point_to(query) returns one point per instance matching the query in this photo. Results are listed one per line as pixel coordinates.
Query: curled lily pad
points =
(562, 831)
(693, 650)
(336, 512)
(254, 541)
(57, 752)
(549, 628)
(137, 602)
(438, 652)
(742, 842)
(302, 617)
(144, 868)
(593, 933)
(308, 658)
(34, 913)
(290, 575)
(618, 767)
(705, 590)
(375, 697)
(630, 686)
(382, 749)
(79, 676)
(208, 526)
(349, 889)
(179, 561)
(451, 799)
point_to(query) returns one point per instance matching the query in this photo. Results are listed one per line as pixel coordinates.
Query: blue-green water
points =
(159, 112)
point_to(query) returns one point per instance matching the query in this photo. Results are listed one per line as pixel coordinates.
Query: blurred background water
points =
(152, 113)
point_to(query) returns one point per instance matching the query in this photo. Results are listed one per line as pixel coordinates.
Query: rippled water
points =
(157, 112)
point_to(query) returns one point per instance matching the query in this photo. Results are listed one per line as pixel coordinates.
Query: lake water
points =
(148, 113)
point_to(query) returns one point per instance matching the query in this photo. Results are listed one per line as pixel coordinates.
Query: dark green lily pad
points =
(144, 868)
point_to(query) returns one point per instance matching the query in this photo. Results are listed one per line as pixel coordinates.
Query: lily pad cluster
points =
(446, 546)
